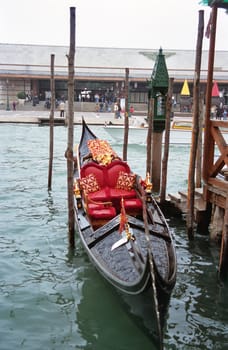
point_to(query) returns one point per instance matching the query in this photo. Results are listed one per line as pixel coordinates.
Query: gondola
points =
(120, 224)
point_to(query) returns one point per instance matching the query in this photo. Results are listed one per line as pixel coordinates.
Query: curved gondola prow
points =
(86, 135)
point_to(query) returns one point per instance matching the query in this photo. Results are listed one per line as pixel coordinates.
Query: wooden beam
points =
(221, 184)
(217, 167)
(217, 199)
(70, 162)
(195, 130)
(126, 115)
(51, 132)
(218, 137)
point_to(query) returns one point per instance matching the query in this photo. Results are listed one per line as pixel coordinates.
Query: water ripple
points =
(52, 297)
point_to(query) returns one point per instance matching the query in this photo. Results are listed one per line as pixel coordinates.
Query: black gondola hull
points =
(145, 263)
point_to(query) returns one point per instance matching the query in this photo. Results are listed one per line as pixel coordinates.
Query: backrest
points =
(95, 169)
(113, 170)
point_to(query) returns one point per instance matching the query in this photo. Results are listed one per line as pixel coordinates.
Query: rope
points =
(69, 154)
(151, 263)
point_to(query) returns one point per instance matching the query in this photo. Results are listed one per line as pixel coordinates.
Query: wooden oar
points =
(152, 270)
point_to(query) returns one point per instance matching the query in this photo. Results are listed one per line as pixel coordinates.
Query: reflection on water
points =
(102, 319)
(53, 298)
(195, 317)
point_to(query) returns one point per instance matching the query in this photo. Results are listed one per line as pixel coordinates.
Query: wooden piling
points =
(208, 155)
(69, 152)
(200, 143)
(126, 115)
(166, 145)
(51, 137)
(195, 130)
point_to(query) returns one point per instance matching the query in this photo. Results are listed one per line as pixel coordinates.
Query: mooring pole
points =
(195, 130)
(200, 143)
(69, 152)
(126, 115)
(208, 154)
(166, 145)
(51, 144)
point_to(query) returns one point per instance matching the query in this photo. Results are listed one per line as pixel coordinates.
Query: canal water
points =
(53, 298)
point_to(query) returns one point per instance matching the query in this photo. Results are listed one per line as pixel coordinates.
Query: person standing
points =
(131, 110)
(119, 110)
(62, 108)
(96, 97)
(115, 110)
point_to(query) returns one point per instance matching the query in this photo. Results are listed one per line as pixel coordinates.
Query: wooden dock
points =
(57, 121)
(211, 201)
(180, 198)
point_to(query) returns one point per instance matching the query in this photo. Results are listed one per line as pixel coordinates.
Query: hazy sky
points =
(105, 23)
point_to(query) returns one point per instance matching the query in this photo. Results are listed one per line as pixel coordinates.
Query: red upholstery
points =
(95, 169)
(105, 175)
(132, 203)
(116, 193)
(133, 206)
(113, 170)
(105, 213)
(107, 178)
(101, 195)
(92, 206)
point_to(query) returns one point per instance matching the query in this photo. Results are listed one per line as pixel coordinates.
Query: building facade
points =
(99, 72)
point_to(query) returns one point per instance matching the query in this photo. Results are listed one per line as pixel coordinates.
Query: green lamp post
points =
(159, 85)
(158, 90)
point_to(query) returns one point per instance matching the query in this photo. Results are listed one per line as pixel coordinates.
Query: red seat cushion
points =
(132, 203)
(116, 193)
(92, 206)
(101, 195)
(105, 213)
(99, 205)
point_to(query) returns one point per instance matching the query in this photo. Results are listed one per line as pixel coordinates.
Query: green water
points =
(52, 298)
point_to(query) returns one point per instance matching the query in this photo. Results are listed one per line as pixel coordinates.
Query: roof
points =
(97, 61)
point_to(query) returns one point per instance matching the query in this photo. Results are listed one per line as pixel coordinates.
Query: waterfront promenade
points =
(35, 116)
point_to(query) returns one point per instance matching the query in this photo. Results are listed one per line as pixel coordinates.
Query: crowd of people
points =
(103, 103)
(219, 112)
